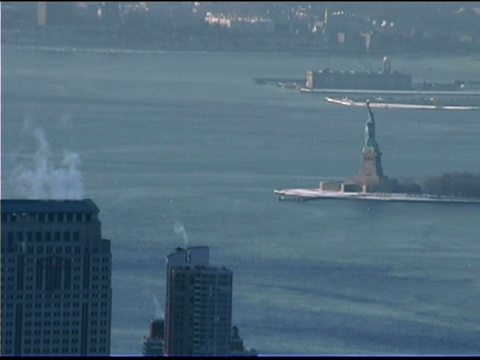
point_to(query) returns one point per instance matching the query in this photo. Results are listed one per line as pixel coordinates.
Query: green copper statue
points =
(370, 141)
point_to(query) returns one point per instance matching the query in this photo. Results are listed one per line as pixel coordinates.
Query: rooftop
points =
(48, 206)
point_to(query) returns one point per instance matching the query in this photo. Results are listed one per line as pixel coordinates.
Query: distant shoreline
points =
(115, 49)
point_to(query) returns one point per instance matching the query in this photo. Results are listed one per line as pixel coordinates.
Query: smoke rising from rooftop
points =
(159, 313)
(179, 229)
(43, 179)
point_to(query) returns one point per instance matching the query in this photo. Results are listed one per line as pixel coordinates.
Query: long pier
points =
(265, 80)
(318, 194)
(389, 92)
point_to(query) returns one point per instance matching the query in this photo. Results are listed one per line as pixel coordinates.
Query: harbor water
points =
(163, 138)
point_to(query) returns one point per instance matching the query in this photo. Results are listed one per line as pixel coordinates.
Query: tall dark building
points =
(198, 316)
(56, 279)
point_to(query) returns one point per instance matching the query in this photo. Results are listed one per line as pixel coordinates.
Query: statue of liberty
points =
(370, 141)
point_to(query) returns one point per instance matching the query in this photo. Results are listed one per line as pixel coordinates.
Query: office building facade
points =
(153, 343)
(198, 315)
(56, 279)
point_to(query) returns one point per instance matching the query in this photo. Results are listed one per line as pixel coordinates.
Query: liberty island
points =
(370, 182)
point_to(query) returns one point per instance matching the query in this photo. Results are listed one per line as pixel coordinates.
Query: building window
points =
(78, 217)
(69, 217)
(59, 217)
(51, 217)
(66, 235)
(76, 235)
(38, 236)
(57, 236)
(41, 217)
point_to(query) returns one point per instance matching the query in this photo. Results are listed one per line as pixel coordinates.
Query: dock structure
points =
(265, 80)
(352, 92)
(318, 194)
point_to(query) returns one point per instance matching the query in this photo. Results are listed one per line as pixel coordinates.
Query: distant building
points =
(381, 80)
(238, 349)
(55, 13)
(246, 24)
(111, 13)
(56, 279)
(42, 13)
(198, 316)
(153, 343)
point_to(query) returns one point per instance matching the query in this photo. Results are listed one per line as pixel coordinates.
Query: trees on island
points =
(456, 184)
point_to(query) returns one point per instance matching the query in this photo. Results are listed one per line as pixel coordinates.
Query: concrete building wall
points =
(326, 79)
(330, 186)
(198, 316)
(56, 280)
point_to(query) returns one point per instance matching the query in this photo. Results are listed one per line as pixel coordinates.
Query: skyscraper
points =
(56, 279)
(153, 343)
(198, 316)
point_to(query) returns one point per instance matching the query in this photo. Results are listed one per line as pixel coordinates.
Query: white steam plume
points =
(159, 313)
(42, 180)
(180, 230)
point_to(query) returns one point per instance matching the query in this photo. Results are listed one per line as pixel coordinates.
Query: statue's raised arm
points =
(370, 113)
